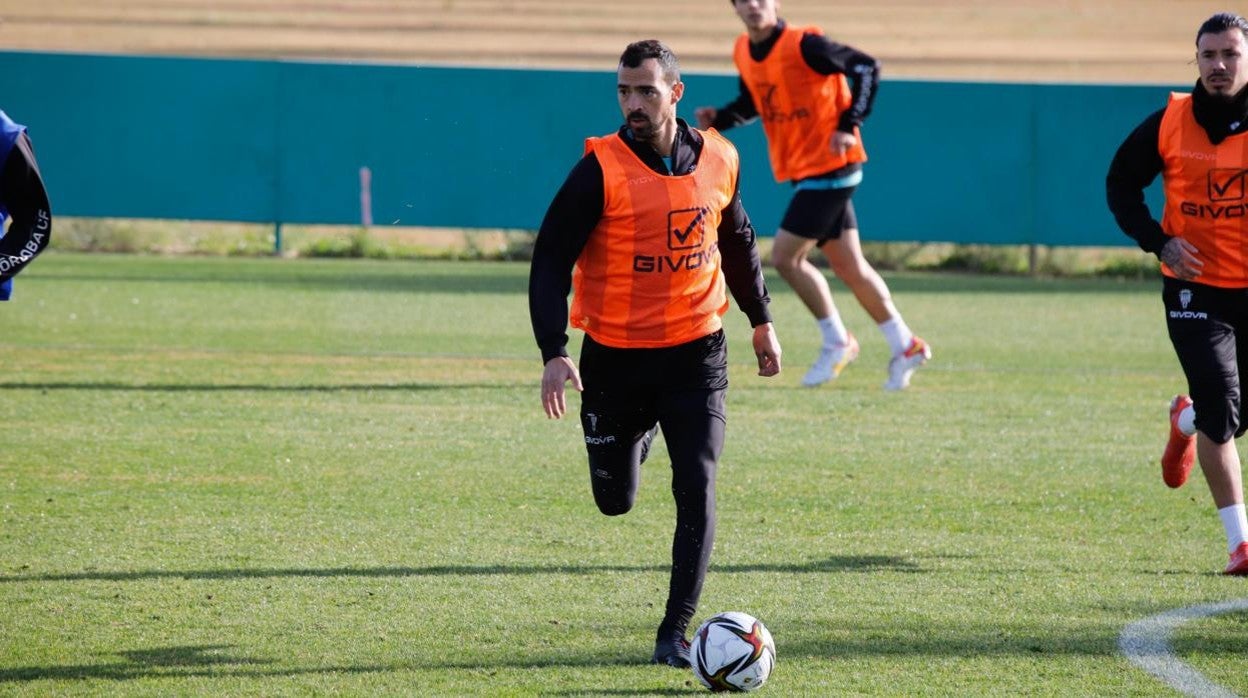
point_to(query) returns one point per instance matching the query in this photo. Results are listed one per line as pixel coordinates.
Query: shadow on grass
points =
(404, 278)
(972, 641)
(212, 661)
(843, 563)
(257, 388)
(873, 641)
(496, 277)
(188, 660)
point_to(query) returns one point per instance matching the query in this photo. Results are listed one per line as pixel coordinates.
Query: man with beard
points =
(23, 200)
(648, 229)
(1199, 145)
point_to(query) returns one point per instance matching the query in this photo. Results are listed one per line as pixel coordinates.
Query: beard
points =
(642, 133)
(642, 130)
(1223, 87)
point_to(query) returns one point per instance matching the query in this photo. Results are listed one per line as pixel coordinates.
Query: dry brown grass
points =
(1144, 41)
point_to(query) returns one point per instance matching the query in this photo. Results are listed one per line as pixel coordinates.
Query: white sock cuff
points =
(1236, 524)
(832, 328)
(1187, 421)
(897, 334)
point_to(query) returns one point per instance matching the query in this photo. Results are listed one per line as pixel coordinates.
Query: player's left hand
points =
(842, 142)
(767, 349)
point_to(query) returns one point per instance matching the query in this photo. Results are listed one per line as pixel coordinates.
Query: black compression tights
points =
(692, 423)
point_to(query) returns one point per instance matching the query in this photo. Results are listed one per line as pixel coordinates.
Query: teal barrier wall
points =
(283, 142)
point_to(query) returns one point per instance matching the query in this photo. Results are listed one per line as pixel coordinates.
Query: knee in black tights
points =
(615, 470)
(611, 498)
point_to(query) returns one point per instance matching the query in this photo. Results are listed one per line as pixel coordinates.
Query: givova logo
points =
(1226, 184)
(1185, 299)
(686, 228)
(1226, 192)
(686, 238)
(772, 112)
(592, 438)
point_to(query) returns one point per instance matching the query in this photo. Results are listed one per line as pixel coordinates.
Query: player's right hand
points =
(558, 371)
(767, 350)
(705, 116)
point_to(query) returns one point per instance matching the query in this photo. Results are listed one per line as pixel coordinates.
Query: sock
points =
(1187, 421)
(833, 330)
(897, 334)
(1233, 520)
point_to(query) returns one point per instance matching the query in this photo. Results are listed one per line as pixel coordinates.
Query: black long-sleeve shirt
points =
(1138, 162)
(22, 194)
(575, 212)
(825, 57)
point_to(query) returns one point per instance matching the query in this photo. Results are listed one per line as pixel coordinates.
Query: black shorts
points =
(820, 214)
(619, 376)
(1208, 327)
(628, 391)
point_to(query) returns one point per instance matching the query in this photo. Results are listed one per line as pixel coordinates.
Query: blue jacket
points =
(9, 133)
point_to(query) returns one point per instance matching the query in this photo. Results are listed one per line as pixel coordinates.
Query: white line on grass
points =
(1147, 644)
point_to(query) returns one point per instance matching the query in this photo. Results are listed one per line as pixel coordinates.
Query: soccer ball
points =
(732, 651)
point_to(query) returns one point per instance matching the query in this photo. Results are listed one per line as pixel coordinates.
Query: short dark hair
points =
(1221, 22)
(639, 51)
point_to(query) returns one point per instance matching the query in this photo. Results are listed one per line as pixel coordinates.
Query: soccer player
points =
(647, 229)
(24, 200)
(812, 94)
(1199, 144)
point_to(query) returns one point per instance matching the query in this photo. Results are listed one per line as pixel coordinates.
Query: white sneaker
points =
(903, 365)
(832, 360)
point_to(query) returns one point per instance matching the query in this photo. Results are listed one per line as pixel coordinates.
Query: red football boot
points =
(1238, 565)
(1180, 453)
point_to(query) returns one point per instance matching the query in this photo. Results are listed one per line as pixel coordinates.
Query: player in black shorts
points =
(1196, 142)
(812, 94)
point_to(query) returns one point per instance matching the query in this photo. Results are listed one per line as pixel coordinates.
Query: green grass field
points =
(292, 477)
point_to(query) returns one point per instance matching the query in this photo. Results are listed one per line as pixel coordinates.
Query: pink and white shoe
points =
(903, 365)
